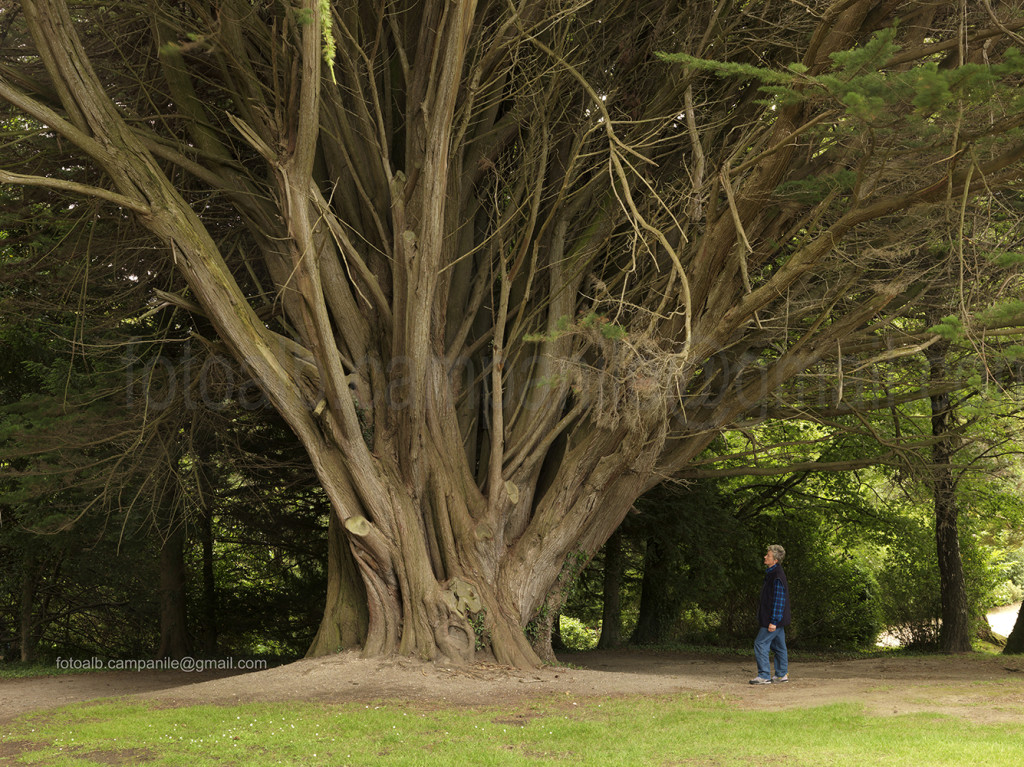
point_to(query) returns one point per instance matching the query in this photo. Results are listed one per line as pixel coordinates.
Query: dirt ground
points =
(982, 688)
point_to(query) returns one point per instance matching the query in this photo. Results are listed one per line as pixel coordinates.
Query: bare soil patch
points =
(983, 688)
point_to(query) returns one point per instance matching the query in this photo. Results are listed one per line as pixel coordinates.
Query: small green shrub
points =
(909, 587)
(576, 635)
(834, 603)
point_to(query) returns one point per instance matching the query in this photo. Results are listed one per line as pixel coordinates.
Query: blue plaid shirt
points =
(779, 602)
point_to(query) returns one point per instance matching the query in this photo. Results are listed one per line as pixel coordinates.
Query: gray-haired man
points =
(773, 615)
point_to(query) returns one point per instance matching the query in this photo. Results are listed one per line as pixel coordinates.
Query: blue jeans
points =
(776, 642)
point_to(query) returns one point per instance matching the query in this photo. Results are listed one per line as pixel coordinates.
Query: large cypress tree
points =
(498, 265)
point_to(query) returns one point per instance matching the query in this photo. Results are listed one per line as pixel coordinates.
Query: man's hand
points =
(771, 627)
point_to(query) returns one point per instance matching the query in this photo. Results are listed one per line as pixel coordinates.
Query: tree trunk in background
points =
(611, 613)
(1015, 642)
(174, 641)
(557, 643)
(541, 634)
(29, 586)
(955, 633)
(657, 612)
(345, 616)
(209, 608)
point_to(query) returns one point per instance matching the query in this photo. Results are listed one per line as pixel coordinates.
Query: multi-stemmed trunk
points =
(465, 578)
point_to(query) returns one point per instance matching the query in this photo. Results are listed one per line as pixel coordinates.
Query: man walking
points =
(773, 615)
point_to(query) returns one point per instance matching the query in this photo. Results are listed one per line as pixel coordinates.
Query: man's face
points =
(769, 559)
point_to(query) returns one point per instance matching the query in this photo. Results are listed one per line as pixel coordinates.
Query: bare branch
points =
(73, 187)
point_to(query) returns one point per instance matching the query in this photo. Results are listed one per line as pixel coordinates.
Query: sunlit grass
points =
(622, 731)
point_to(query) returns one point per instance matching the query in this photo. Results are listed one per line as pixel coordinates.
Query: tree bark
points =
(174, 639)
(611, 610)
(345, 618)
(658, 608)
(955, 635)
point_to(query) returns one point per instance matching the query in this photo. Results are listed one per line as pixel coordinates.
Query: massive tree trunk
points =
(955, 635)
(499, 267)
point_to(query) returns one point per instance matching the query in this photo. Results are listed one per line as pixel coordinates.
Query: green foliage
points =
(728, 68)
(1005, 258)
(269, 543)
(815, 189)
(1003, 314)
(835, 598)
(868, 57)
(1014, 568)
(330, 45)
(822, 523)
(482, 636)
(532, 629)
(571, 569)
(950, 328)
(612, 331)
(1010, 586)
(305, 16)
(861, 548)
(909, 587)
(95, 592)
(585, 324)
(694, 560)
(1007, 593)
(576, 635)
(710, 538)
(86, 490)
(908, 579)
(860, 81)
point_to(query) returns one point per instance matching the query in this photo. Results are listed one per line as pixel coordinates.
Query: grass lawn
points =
(16, 670)
(675, 730)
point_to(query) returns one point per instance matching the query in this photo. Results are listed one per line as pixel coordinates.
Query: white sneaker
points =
(783, 678)
(760, 680)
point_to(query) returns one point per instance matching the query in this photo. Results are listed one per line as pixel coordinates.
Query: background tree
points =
(497, 266)
(222, 549)
(123, 443)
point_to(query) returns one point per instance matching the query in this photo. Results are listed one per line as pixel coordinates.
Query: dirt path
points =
(982, 688)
